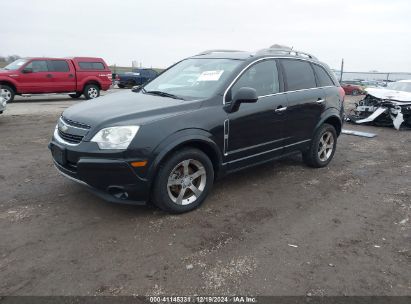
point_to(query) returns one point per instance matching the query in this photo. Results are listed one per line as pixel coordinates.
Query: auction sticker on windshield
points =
(210, 75)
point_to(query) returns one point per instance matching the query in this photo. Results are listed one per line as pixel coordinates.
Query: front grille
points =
(75, 123)
(74, 139)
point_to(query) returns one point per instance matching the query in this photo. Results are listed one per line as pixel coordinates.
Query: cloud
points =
(161, 32)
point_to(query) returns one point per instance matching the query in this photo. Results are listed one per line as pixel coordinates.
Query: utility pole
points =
(342, 69)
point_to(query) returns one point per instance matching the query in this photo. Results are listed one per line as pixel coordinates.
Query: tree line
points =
(10, 58)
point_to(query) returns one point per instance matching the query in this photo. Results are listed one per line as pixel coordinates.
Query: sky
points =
(369, 35)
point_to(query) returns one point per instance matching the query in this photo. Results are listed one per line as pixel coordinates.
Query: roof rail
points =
(284, 51)
(217, 51)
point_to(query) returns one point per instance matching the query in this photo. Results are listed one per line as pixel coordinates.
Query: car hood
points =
(6, 72)
(389, 94)
(126, 107)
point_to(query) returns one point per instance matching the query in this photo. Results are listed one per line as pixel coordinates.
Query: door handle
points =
(320, 100)
(49, 76)
(280, 109)
(71, 75)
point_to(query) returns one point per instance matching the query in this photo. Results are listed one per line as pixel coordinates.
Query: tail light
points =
(342, 93)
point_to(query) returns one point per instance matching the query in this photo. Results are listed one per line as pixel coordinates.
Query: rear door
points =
(256, 131)
(63, 75)
(305, 102)
(39, 80)
(329, 87)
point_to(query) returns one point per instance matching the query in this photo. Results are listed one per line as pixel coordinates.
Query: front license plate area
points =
(59, 154)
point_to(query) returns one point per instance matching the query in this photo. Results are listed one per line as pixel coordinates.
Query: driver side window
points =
(38, 66)
(262, 76)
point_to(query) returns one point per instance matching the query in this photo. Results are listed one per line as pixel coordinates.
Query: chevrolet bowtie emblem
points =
(63, 128)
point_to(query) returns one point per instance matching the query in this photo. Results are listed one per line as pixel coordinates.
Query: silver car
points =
(3, 102)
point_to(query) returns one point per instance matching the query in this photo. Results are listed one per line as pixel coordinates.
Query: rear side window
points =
(262, 76)
(58, 66)
(323, 78)
(91, 66)
(38, 66)
(299, 74)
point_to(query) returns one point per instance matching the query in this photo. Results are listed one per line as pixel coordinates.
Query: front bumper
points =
(113, 180)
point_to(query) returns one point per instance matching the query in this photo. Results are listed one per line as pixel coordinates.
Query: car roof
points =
(63, 58)
(217, 54)
(283, 52)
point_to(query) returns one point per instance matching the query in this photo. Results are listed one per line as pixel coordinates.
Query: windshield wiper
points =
(163, 94)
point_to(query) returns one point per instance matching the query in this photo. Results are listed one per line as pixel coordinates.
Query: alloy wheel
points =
(326, 146)
(92, 92)
(186, 182)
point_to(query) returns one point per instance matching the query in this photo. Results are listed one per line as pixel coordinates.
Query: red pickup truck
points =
(74, 76)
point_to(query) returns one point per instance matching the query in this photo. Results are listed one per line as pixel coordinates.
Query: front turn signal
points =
(139, 164)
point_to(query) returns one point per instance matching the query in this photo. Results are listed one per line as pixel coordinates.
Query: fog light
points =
(118, 192)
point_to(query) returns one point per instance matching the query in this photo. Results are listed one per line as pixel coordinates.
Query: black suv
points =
(204, 117)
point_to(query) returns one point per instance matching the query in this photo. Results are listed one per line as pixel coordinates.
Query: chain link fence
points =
(372, 76)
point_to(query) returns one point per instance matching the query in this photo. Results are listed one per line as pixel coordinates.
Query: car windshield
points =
(193, 78)
(400, 86)
(15, 65)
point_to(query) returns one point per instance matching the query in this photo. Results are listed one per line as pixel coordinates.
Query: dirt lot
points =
(277, 229)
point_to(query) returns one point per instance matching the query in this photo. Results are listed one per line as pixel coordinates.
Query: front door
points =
(38, 80)
(256, 131)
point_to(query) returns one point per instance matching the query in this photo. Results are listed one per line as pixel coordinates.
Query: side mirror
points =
(244, 95)
(27, 70)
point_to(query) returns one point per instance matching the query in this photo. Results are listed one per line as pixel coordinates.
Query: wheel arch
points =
(331, 117)
(194, 138)
(91, 81)
(10, 84)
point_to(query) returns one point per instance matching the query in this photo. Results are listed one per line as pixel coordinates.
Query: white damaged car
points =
(389, 106)
(3, 102)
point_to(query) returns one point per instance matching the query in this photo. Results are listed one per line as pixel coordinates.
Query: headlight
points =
(115, 137)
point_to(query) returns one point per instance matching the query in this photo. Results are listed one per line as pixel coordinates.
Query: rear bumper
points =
(106, 86)
(112, 180)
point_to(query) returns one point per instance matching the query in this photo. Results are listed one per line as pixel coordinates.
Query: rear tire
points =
(183, 181)
(77, 95)
(91, 91)
(322, 147)
(7, 93)
(121, 86)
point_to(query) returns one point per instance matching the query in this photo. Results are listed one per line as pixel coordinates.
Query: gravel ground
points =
(277, 229)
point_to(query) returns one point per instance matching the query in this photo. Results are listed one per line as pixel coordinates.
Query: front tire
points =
(7, 93)
(183, 181)
(355, 92)
(322, 147)
(91, 91)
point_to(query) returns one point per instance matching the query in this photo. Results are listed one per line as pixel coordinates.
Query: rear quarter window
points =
(324, 79)
(91, 66)
(299, 74)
